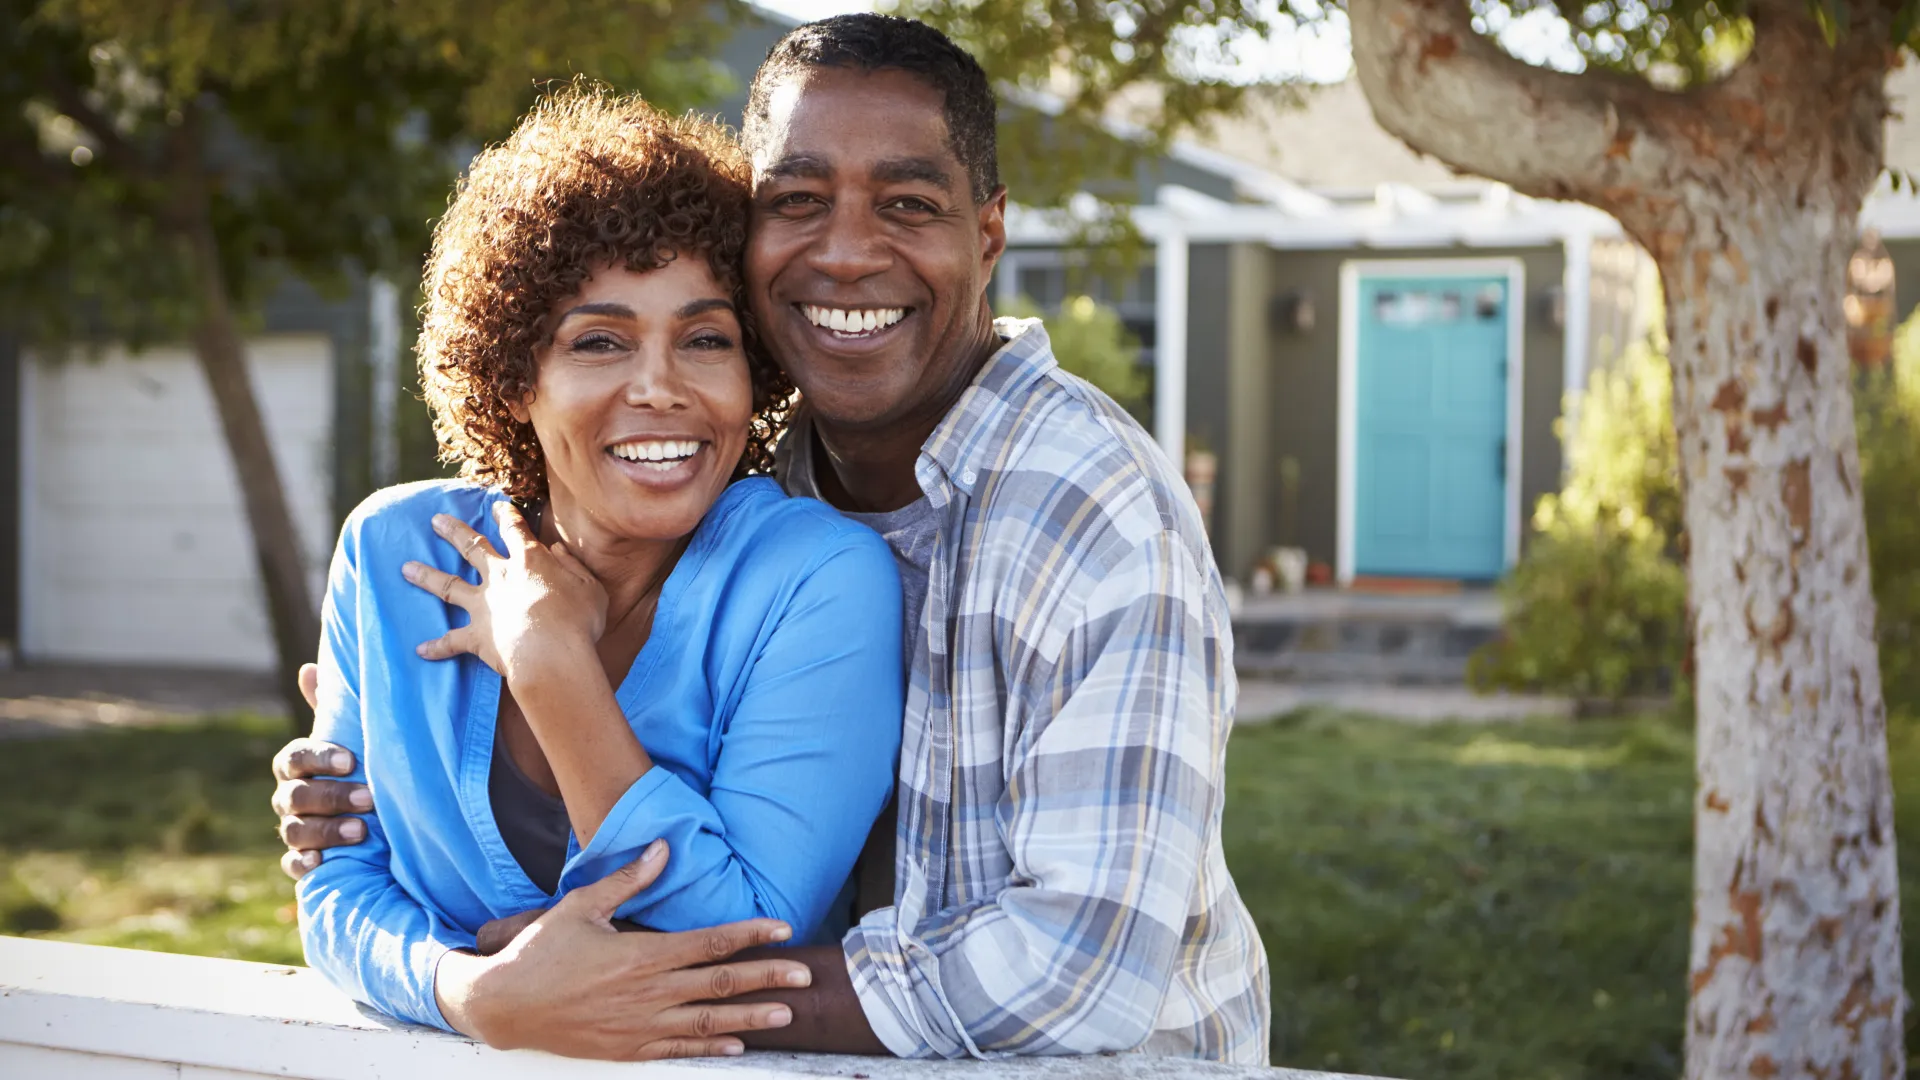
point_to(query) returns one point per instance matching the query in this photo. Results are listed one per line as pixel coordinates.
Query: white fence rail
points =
(82, 1012)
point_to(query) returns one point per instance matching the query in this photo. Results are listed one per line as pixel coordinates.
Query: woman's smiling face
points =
(642, 399)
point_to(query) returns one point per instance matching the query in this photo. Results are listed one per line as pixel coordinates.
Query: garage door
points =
(135, 548)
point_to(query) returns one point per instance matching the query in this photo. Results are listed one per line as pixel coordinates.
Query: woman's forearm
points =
(591, 748)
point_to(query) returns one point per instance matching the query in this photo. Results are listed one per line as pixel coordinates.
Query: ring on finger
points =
(477, 537)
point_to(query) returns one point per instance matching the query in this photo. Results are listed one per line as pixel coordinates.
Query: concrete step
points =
(1335, 637)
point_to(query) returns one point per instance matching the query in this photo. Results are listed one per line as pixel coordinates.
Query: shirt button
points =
(967, 476)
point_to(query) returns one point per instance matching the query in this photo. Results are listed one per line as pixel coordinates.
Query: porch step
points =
(1344, 637)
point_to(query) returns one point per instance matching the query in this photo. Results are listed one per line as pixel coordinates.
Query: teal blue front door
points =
(1430, 448)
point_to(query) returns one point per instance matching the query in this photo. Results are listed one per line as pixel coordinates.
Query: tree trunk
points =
(276, 544)
(1747, 193)
(1795, 961)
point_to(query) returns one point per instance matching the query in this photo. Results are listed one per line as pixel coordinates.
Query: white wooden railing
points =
(82, 1012)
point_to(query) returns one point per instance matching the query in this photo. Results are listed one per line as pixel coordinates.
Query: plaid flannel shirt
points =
(1060, 886)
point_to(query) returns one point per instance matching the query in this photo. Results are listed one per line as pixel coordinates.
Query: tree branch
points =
(1448, 91)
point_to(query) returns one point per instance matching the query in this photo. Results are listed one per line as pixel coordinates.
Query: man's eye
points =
(913, 205)
(794, 201)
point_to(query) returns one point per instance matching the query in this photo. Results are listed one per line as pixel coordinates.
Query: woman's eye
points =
(712, 342)
(595, 343)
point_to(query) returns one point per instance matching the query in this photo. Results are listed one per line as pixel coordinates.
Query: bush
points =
(1597, 606)
(1888, 403)
(1090, 341)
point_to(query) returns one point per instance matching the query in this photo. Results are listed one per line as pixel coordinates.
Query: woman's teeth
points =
(851, 322)
(661, 454)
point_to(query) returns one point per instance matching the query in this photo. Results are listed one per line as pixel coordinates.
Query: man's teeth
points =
(849, 321)
(657, 450)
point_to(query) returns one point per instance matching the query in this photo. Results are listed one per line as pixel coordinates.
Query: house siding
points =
(10, 461)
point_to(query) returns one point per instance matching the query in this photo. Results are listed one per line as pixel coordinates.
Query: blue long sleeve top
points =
(768, 695)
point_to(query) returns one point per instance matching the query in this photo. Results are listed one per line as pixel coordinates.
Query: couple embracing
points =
(675, 649)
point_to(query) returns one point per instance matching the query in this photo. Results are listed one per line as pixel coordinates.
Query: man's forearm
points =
(827, 1017)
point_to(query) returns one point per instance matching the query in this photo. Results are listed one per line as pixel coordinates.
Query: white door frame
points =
(1351, 273)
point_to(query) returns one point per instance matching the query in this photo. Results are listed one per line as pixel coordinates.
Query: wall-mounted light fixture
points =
(1550, 306)
(1292, 311)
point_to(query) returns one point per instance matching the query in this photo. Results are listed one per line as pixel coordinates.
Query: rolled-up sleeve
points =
(1109, 796)
(806, 764)
(359, 927)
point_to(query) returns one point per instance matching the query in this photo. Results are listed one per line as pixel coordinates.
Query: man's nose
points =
(851, 247)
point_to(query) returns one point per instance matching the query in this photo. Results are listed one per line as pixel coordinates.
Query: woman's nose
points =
(654, 381)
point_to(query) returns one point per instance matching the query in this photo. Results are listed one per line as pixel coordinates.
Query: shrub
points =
(1090, 341)
(1888, 408)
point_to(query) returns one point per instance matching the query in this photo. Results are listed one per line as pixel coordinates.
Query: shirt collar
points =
(966, 441)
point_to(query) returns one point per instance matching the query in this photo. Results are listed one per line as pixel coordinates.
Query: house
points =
(1375, 352)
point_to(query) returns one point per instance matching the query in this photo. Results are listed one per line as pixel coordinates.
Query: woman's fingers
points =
(455, 642)
(448, 588)
(514, 530)
(665, 1049)
(705, 1020)
(714, 944)
(474, 547)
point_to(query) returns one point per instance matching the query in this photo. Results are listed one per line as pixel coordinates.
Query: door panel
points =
(1430, 427)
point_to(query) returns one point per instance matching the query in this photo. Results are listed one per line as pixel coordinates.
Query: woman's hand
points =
(536, 603)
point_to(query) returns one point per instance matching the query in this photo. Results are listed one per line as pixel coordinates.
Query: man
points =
(1060, 886)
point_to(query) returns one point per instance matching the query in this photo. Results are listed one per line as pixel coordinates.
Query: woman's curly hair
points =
(588, 179)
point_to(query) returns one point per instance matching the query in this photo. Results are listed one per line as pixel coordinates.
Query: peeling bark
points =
(1747, 193)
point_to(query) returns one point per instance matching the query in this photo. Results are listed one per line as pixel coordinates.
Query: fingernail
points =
(340, 761)
(780, 1017)
(803, 977)
(411, 571)
(654, 851)
(733, 1050)
(439, 522)
(353, 829)
(780, 933)
(309, 859)
(360, 798)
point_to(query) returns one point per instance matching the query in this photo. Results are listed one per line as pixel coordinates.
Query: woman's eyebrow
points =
(598, 307)
(700, 307)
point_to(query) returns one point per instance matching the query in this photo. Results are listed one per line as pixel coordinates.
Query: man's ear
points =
(993, 228)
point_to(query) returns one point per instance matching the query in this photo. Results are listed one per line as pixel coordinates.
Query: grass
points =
(1458, 901)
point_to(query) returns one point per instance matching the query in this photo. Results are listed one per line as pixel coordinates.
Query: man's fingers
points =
(453, 643)
(604, 897)
(309, 681)
(449, 589)
(716, 943)
(321, 797)
(295, 864)
(315, 833)
(302, 758)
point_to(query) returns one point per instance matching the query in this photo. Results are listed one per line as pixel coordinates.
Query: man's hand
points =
(311, 810)
(571, 984)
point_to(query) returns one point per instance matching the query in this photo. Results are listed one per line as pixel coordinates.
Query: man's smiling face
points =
(868, 259)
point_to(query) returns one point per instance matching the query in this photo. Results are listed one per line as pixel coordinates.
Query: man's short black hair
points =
(881, 42)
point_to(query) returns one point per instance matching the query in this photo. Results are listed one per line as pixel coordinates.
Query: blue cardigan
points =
(768, 694)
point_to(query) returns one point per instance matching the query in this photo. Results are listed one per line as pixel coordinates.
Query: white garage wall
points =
(135, 547)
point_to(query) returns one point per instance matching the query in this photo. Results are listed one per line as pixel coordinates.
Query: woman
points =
(668, 649)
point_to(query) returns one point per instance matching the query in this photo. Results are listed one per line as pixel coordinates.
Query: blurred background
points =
(1462, 789)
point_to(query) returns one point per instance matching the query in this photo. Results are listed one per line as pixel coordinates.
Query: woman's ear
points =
(517, 407)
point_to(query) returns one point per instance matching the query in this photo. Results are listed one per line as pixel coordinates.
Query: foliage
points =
(1454, 902)
(1090, 341)
(315, 137)
(1889, 429)
(1597, 607)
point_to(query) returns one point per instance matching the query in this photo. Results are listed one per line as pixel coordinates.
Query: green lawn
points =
(1503, 901)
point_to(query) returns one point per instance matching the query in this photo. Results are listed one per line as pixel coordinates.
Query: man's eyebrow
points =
(913, 170)
(693, 308)
(799, 167)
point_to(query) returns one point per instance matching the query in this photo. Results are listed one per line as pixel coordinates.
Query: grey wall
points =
(10, 464)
